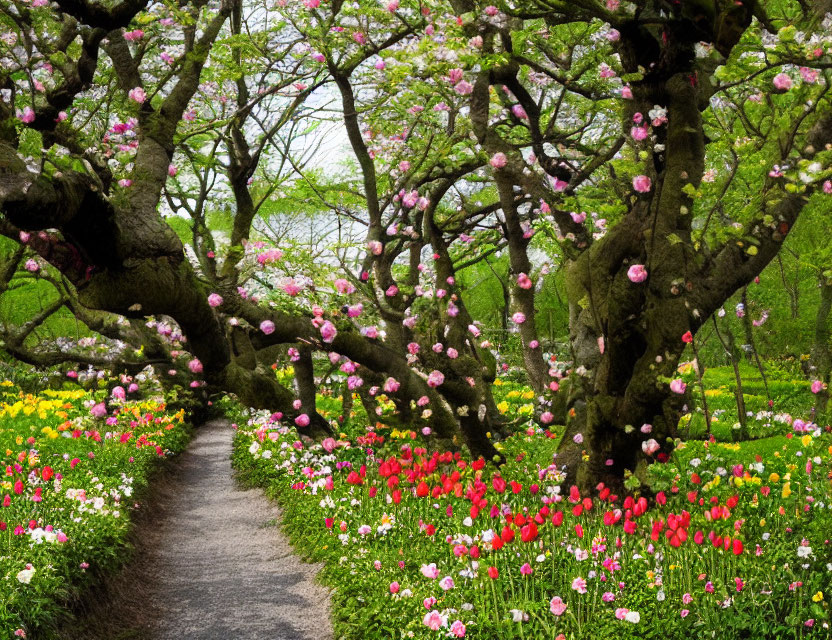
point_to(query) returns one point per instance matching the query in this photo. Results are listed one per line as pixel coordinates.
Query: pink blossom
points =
(375, 247)
(27, 116)
(302, 420)
(519, 112)
(464, 88)
(195, 366)
(452, 353)
(435, 378)
(547, 417)
(650, 446)
(344, 286)
(215, 300)
(626, 92)
(267, 327)
(137, 94)
(642, 184)
(524, 281)
(499, 160)
(328, 332)
(458, 629)
(678, 386)
(118, 393)
(172, 170)
(637, 273)
(782, 82)
(809, 75)
(817, 386)
(292, 287)
(518, 318)
(638, 133)
(32, 266)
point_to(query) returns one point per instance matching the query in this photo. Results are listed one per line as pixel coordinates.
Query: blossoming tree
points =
(693, 134)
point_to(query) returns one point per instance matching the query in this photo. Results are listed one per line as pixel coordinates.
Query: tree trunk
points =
(522, 292)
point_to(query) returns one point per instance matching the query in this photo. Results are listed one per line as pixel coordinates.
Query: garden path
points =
(213, 563)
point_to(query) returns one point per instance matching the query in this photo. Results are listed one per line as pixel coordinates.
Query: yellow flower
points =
(502, 407)
(528, 395)
(774, 477)
(806, 440)
(787, 490)
(817, 597)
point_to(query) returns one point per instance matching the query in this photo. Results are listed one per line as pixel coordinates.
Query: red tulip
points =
(499, 484)
(529, 532)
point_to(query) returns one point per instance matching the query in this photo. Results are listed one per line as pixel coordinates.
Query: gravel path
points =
(212, 564)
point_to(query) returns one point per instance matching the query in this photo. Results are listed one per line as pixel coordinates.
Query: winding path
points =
(212, 563)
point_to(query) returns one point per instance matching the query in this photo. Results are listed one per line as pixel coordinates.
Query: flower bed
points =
(70, 480)
(425, 544)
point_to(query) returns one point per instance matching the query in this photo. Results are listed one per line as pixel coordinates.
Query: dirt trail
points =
(212, 563)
